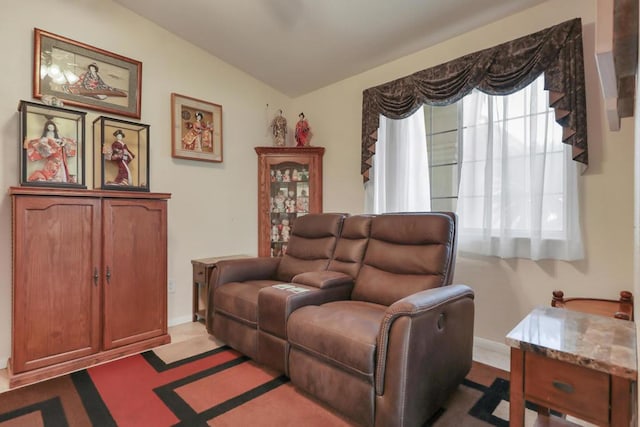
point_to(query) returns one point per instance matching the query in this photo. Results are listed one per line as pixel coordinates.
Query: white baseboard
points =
(491, 353)
(180, 320)
(3, 362)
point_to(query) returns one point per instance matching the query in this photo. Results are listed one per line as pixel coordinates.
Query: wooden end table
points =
(577, 363)
(202, 272)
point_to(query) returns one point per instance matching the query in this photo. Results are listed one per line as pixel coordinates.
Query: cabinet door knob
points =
(95, 276)
(108, 275)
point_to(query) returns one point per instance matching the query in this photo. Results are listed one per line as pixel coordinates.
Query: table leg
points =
(195, 305)
(620, 402)
(516, 389)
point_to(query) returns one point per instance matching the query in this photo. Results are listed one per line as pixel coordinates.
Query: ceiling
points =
(297, 46)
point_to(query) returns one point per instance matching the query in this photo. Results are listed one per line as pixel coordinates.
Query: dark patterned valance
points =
(500, 70)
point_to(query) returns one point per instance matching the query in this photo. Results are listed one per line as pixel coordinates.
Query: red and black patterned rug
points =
(218, 387)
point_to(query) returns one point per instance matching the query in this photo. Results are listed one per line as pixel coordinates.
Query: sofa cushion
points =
(341, 333)
(351, 245)
(239, 300)
(405, 254)
(311, 244)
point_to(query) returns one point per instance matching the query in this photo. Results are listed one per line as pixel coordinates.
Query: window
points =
(443, 132)
(499, 161)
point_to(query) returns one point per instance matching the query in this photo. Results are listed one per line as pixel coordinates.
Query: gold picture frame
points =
(86, 76)
(196, 129)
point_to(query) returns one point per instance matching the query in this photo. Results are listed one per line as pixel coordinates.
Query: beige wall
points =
(506, 290)
(213, 209)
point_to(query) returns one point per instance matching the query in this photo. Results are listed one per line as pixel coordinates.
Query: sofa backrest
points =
(351, 245)
(406, 253)
(311, 244)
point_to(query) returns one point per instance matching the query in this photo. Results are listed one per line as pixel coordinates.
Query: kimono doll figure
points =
(122, 156)
(303, 131)
(286, 229)
(48, 147)
(91, 84)
(279, 130)
(199, 137)
(279, 200)
(287, 176)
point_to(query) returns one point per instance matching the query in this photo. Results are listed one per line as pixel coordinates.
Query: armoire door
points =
(134, 270)
(56, 286)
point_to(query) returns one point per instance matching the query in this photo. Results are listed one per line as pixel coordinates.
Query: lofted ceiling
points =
(297, 46)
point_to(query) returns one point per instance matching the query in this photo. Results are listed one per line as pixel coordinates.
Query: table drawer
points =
(569, 388)
(199, 273)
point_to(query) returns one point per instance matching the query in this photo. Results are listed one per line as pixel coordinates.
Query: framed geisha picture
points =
(196, 129)
(52, 146)
(86, 76)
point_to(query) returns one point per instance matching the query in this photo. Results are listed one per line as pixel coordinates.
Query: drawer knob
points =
(200, 273)
(567, 388)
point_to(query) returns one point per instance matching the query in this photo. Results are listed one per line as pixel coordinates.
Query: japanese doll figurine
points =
(285, 230)
(303, 132)
(55, 150)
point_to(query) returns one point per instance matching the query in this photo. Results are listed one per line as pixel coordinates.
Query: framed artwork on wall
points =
(52, 142)
(121, 155)
(196, 129)
(86, 76)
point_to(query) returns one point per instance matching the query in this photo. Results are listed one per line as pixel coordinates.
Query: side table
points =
(202, 272)
(577, 363)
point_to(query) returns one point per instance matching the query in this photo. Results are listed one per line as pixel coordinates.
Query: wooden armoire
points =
(89, 278)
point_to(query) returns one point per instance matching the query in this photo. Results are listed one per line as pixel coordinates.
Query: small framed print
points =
(52, 140)
(121, 155)
(196, 129)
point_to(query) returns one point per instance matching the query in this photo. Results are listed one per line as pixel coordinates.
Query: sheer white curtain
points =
(399, 178)
(518, 194)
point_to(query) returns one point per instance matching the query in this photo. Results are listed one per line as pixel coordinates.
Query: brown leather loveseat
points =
(360, 313)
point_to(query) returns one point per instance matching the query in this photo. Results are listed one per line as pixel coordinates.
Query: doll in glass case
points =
(52, 151)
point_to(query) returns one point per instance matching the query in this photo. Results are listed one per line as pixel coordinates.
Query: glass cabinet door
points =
(290, 185)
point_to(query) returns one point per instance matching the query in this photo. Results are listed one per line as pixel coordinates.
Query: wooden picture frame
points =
(121, 154)
(52, 146)
(196, 129)
(86, 76)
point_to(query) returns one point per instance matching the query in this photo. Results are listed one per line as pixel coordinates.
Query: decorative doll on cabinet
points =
(121, 156)
(54, 150)
(303, 132)
(279, 201)
(279, 130)
(285, 230)
(274, 231)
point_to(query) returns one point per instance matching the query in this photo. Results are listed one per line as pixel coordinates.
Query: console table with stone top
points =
(579, 364)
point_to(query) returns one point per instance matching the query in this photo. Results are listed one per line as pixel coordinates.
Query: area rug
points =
(216, 387)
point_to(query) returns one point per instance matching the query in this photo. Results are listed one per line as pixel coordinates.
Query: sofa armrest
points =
(424, 345)
(322, 279)
(241, 270)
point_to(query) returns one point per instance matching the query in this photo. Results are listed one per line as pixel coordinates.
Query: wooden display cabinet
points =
(289, 186)
(89, 278)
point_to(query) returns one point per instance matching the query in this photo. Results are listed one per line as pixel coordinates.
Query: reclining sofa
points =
(360, 313)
